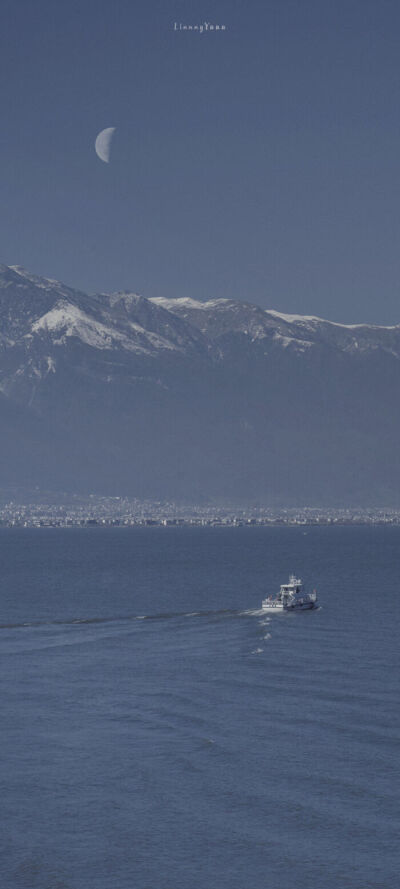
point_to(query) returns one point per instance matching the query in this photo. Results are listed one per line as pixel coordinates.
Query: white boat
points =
(291, 598)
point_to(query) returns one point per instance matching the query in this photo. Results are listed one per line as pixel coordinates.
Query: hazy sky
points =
(259, 163)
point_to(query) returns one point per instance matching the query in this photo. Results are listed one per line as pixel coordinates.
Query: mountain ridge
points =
(118, 393)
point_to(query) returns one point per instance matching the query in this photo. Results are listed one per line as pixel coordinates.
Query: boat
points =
(291, 598)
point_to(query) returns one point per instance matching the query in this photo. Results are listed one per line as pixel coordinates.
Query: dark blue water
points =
(158, 733)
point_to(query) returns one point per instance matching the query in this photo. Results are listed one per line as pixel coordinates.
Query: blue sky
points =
(259, 163)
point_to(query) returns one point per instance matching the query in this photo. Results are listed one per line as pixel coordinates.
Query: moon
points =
(103, 144)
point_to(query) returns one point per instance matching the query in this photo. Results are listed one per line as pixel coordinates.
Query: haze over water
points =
(159, 732)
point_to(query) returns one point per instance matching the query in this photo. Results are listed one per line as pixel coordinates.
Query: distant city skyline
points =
(258, 161)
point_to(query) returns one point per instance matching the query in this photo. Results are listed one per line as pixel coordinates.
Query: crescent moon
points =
(103, 144)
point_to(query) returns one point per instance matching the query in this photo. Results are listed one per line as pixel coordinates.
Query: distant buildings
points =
(121, 512)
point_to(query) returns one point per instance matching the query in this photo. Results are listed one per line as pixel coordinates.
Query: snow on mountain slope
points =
(130, 311)
(33, 309)
(219, 318)
(291, 319)
(47, 284)
(67, 320)
(348, 338)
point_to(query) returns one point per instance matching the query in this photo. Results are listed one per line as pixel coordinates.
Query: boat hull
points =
(273, 609)
(278, 608)
(304, 607)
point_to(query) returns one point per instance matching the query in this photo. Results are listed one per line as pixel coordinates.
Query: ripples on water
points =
(159, 731)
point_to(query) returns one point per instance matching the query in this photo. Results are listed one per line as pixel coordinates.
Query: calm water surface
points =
(158, 732)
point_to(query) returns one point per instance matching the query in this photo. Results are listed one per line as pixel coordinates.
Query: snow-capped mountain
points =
(220, 317)
(162, 397)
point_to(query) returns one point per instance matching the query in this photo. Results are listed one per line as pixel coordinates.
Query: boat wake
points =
(167, 615)
(123, 618)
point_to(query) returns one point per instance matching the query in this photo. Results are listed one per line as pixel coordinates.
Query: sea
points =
(159, 732)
